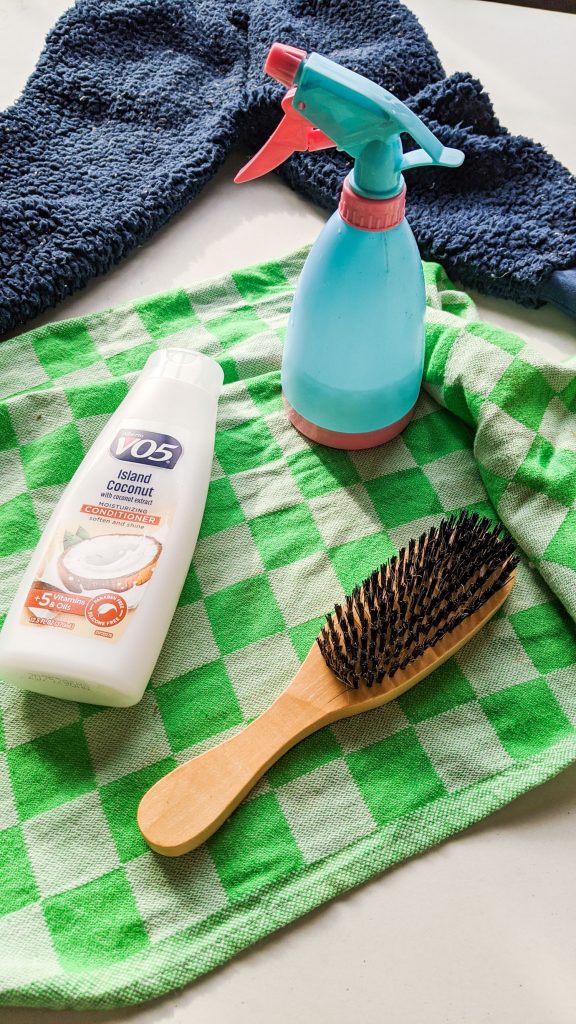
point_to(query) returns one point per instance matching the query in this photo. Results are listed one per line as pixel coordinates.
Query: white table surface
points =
(479, 930)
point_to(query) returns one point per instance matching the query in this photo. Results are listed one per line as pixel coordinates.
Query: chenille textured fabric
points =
(135, 104)
(89, 916)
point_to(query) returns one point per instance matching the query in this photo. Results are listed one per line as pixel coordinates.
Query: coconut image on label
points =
(113, 561)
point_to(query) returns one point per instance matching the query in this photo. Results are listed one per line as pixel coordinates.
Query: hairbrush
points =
(400, 624)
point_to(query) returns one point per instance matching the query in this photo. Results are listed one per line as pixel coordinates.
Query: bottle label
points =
(101, 556)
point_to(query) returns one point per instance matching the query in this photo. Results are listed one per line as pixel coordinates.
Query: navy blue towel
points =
(134, 105)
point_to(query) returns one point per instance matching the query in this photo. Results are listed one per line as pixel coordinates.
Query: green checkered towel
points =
(88, 915)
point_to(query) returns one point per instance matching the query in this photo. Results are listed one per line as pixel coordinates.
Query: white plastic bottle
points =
(93, 609)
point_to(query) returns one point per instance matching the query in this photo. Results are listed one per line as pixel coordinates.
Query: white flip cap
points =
(187, 366)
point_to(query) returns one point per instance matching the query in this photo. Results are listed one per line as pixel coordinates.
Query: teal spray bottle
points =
(354, 352)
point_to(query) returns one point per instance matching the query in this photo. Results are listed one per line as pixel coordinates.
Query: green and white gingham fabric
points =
(88, 915)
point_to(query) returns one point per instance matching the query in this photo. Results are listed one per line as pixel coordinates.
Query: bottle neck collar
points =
(371, 214)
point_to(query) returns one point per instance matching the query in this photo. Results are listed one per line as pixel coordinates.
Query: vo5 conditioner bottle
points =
(96, 601)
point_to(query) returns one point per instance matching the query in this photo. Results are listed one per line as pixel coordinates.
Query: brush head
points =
(408, 605)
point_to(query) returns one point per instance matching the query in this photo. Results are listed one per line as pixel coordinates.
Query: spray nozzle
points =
(328, 105)
(283, 62)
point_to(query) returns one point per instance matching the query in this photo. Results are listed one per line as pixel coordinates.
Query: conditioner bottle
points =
(93, 609)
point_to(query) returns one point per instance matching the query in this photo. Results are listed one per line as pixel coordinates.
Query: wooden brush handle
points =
(186, 806)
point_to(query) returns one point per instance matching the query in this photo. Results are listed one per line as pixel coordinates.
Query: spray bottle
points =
(354, 352)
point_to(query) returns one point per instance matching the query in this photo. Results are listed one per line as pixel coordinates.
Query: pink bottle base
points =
(348, 442)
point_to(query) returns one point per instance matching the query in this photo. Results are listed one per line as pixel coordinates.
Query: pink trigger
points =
(294, 134)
